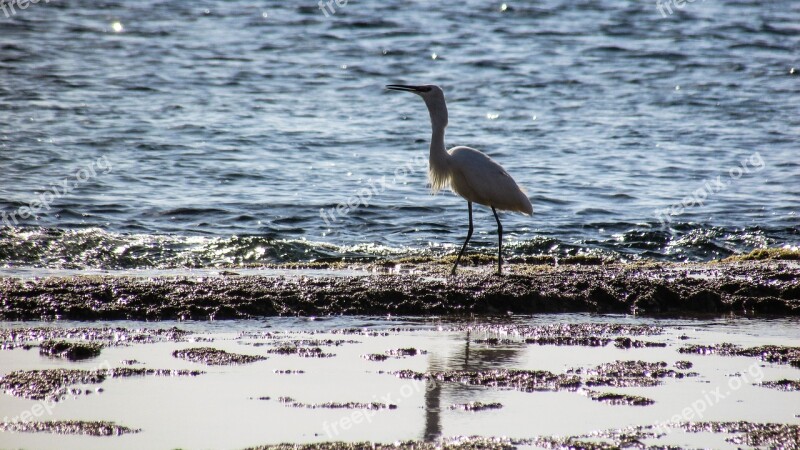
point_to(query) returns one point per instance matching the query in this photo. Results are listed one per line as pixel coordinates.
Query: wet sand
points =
(414, 288)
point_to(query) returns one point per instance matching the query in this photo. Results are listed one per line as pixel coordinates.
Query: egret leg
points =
(469, 235)
(499, 243)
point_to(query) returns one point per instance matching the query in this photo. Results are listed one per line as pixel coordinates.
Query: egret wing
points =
(480, 179)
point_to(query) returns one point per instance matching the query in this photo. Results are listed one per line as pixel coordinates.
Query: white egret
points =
(468, 172)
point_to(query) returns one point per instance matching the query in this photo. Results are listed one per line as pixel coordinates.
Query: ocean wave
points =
(94, 248)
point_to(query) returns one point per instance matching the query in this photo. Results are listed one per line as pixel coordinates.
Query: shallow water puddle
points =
(319, 383)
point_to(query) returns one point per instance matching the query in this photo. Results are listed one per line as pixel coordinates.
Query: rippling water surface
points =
(214, 133)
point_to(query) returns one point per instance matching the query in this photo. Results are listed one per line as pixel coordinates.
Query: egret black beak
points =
(402, 87)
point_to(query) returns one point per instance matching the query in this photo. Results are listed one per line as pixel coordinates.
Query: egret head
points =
(434, 99)
(424, 91)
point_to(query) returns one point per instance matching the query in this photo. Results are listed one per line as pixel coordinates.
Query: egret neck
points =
(439, 170)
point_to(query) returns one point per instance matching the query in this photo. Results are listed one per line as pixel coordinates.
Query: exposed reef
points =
(749, 434)
(769, 353)
(619, 399)
(394, 353)
(73, 351)
(476, 406)
(521, 380)
(27, 337)
(76, 427)
(54, 384)
(305, 352)
(215, 357)
(628, 374)
(744, 287)
(288, 401)
(771, 435)
(463, 443)
(782, 385)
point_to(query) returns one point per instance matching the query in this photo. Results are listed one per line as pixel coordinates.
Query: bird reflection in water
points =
(477, 358)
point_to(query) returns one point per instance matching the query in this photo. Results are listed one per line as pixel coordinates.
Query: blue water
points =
(214, 132)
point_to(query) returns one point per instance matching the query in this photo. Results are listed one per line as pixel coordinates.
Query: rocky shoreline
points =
(741, 287)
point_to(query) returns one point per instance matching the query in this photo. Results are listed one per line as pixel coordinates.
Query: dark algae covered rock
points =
(750, 287)
(74, 427)
(53, 384)
(215, 357)
(73, 351)
(769, 353)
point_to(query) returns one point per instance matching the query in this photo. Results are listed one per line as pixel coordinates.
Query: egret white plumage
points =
(468, 172)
